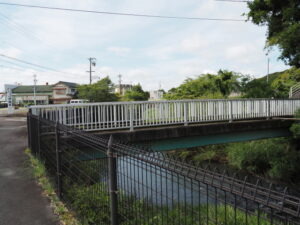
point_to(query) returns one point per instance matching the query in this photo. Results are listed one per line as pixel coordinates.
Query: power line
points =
(232, 1)
(23, 31)
(36, 65)
(21, 66)
(121, 14)
(8, 67)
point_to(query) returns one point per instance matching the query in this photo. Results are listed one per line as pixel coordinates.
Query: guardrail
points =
(124, 115)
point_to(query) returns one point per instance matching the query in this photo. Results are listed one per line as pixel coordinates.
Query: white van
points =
(78, 101)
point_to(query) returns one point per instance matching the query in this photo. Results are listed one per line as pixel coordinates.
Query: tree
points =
(258, 88)
(282, 17)
(282, 84)
(102, 91)
(219, 85)
(136, 94)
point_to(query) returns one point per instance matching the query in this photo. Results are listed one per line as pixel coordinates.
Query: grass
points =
(91, 204)
(39, 172)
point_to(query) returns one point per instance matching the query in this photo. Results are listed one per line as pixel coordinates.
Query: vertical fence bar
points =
(58, 160)
(185, 113)
(29, 128)
(131, 117)
(268, 109)
(39, 137)
(113, 187)
(230, 112)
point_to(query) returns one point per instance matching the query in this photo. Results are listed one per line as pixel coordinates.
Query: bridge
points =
(166, 125)
(76, 145)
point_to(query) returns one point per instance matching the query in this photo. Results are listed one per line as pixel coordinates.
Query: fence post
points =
(115, 115)
(131, 116)
(230, 111)
(58, 160)
(39, 137)
(185, 113)
(268, 109)
(113, 186)
(29, 130)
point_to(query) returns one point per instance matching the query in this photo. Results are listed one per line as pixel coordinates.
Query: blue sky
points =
(144, 50)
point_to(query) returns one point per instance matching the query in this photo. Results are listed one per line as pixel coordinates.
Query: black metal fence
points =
(105, 181)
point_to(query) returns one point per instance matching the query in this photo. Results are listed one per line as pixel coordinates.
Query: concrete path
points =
(21, 200)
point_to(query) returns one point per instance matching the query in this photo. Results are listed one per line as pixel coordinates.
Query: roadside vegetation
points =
(90, 204)
(39, 172)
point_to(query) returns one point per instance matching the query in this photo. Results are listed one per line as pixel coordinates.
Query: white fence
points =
(121, 115)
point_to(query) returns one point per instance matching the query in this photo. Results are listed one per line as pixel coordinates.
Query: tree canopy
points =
(102, 91)
(136, 94)
(219, 85)
(282, 17)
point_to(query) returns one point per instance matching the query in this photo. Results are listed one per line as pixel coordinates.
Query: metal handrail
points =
(130, 115)
(294, 89)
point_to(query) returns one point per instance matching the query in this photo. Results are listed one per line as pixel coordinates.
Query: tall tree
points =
(102, 91)
(136, 94)
(282, 17)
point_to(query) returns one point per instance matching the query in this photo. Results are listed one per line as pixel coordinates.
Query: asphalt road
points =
(21, 199)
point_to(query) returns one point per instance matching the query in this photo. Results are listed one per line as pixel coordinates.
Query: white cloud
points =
(119, 51)
(11, 52)
(194, 44)
(241, 53)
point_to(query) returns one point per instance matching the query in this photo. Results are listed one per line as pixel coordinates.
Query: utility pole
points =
(120, 83)
(34, 88)
(92, 63)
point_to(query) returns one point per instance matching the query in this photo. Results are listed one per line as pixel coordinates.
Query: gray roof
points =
(29, 89)
(69, 84)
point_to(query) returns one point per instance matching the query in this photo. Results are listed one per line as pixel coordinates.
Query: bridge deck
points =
(176, 137)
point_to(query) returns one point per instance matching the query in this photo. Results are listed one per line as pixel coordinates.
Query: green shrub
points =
(295, 128)
(205, 156)
(273, 157)
(91, 203)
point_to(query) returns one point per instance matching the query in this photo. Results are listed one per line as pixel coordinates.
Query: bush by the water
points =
(273, 157)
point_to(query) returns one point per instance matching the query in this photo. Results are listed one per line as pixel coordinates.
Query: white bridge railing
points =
(295, 91)
(121, 115)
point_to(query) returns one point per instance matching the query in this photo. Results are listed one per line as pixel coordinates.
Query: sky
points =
(150, 51)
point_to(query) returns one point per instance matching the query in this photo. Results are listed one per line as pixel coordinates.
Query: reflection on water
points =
(160, 186)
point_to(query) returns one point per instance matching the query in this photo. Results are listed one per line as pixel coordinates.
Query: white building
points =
(156, 95)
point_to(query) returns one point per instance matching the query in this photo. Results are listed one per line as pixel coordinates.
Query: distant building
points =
(2, 97)
(121, 89)
(24, 94)
(63, 92)
(156, 95)
(7, 87)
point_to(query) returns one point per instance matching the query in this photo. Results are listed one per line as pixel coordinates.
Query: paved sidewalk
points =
(21, 200)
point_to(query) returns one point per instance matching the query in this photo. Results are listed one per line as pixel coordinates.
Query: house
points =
(63, 92)
(24, 94)
(2, 97)
(122, 88)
